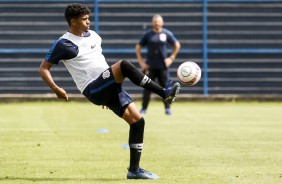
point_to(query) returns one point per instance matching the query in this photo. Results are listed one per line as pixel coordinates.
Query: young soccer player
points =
(81, 52)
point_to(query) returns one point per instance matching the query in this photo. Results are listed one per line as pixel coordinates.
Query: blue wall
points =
(228, 38)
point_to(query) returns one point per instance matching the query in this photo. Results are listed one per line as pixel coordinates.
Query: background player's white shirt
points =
(82, 56)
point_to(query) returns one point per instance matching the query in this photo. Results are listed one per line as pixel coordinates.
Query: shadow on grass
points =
(8, 178)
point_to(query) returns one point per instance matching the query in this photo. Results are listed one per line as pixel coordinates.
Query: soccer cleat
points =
(171, 90)
(168, 111)
(141, 174)
(143, 111)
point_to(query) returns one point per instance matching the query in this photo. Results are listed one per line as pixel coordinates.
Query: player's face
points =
(158, 23)
(82, 24)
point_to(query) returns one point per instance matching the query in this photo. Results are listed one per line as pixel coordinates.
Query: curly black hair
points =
(75, 10)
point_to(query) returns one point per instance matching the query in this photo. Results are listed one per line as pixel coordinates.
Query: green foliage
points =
(201, 143)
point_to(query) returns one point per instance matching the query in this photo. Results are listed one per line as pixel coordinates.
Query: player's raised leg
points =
(124, 69)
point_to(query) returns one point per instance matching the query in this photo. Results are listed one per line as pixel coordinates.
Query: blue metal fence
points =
(205, 48)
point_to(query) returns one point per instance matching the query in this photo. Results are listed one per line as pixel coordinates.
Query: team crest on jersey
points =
(106, 74)
(163, 37)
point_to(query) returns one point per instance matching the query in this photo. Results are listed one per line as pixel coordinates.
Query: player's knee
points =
(124, 62)
(125, 66)
(140, 123)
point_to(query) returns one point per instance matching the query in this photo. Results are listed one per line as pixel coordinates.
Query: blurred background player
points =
(80, 51)
(157, 60)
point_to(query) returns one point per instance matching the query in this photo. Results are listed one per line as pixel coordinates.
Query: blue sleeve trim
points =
(47, 58)
(62, 49)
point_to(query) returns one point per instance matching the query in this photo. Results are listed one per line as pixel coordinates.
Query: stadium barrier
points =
(237, 43)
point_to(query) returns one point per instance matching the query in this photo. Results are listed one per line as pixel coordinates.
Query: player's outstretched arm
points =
(44, 71)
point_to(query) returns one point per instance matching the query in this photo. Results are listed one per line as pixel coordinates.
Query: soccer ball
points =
(189, 73)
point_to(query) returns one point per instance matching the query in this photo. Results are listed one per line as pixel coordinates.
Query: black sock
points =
(139, 78)
(135, 141)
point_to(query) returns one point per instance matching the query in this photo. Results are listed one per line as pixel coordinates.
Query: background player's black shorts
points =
(105, 91)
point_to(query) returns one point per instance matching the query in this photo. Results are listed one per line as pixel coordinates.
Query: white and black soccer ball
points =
(189, 73)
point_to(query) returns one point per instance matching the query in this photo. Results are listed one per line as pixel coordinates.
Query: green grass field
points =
(202, 143)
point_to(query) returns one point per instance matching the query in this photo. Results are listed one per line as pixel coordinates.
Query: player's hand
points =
(144, 66)
(61, 93)
(168, 62)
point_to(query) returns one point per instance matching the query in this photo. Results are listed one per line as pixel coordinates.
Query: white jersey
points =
(82, 56)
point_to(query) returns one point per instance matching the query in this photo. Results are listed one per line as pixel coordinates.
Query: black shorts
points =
(105, 91)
